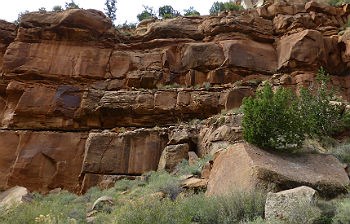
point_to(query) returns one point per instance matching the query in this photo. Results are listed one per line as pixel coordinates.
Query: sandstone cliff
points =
(80, 99)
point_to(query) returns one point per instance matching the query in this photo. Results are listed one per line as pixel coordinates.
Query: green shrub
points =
(342, 215)
(338, 2)
(320, 117)
(271, 119)
(58, 208)
(184, 168)
(304, 212)
(224, 6)
(232, 208)
(342, 152)
(281, 120)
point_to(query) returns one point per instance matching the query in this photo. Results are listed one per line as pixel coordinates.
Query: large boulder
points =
(219, 132)
(291, 49)
(284, 204)
(73, 24)
(14, 196)
(250, 54)
(246, 167)
(173, 155)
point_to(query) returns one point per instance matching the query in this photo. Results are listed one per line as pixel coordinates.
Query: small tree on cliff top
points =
(111, 9)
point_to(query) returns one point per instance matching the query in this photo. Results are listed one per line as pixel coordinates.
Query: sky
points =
(126, 9)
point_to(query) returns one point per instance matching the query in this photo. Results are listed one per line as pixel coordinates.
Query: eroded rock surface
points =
(80, 100)
(246, 167)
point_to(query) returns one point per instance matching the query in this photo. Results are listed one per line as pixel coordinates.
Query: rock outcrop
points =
(246, 167)
(283, 205)
(80, 100)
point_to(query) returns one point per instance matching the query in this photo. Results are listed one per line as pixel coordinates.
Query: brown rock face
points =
(173, 155)
(291, 49)
(70, 76)
(131, 153)
(246, 167)
(41, 160)
(7, 35)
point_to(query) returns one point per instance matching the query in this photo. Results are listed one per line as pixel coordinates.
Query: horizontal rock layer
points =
(67, 77)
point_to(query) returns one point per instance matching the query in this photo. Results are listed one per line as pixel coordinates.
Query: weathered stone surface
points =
(102, 181)
(73, 25)
(291, 49)
(56, 60)
(73, 71)
(205, 173)
(192, 158)
(40, 106)
(284, 204)
(130, 153)
(202, 55)
(173, 155)
(13, 196)
(250, 54)
(194, 183)
(136, 108)
(235, 96)
(185, 27)
(101, 202)
(7, 35)
(41, 161)
(218, 133)
(246, 167)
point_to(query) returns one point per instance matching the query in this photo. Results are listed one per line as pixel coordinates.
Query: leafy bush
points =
(191, 12)
(147, 13)
(271, 120)
(167, 12)
(281, 120)
(320, 117)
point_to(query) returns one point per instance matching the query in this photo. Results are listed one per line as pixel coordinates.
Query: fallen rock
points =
(291, 49)
(284, 204)
(102, 202)
(219, 132)
(173, 155)
(192, 158)
(194, 183)
(14, 196)
(246, 167)
(102, 181)
(205, 173)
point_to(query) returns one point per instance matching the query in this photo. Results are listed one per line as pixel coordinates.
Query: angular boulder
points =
(250, 54)
(13, 197)
(291, 49)
(173, 155)
(246, 167)
(284, 204)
